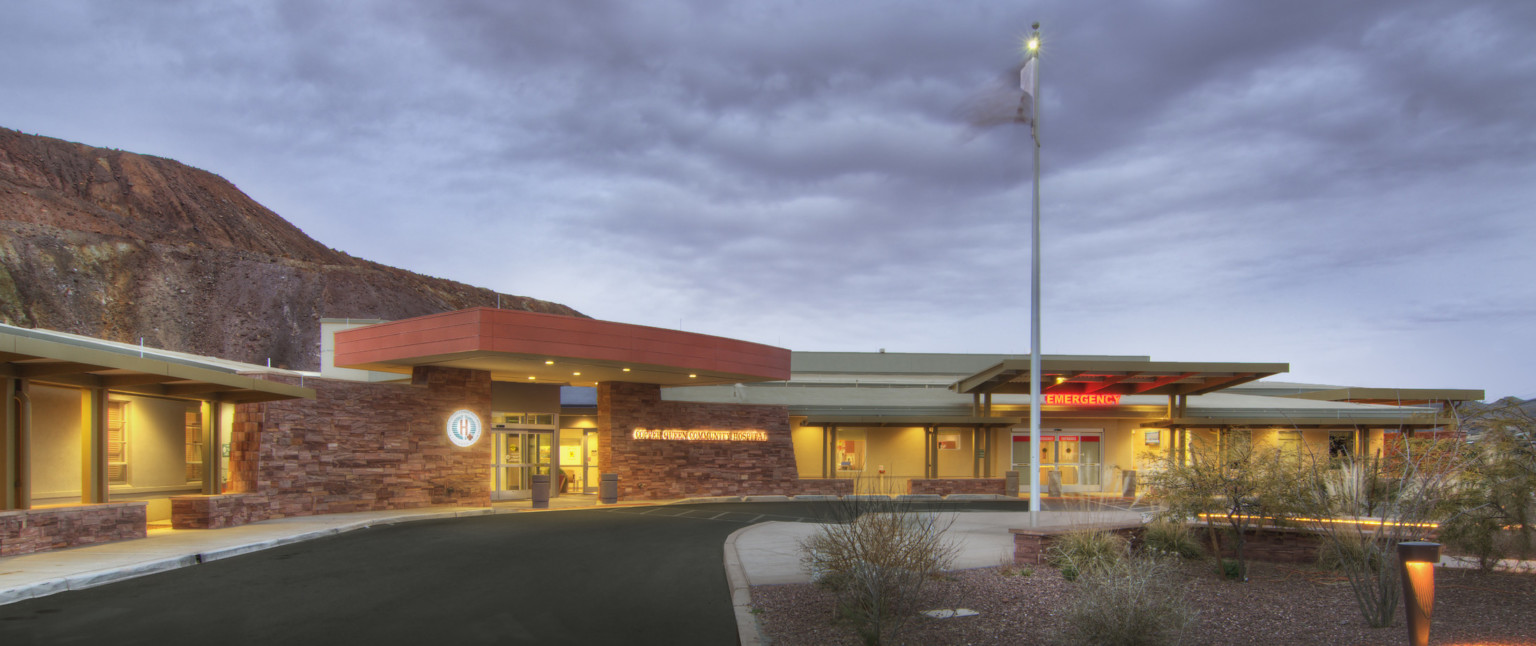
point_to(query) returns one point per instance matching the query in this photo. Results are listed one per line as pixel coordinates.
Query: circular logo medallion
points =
(463, 428)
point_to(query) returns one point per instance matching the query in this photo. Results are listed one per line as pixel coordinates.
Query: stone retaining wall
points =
(1271, 545)
(946, 486)
(25, 531)
(1030, 546)
(826, 486)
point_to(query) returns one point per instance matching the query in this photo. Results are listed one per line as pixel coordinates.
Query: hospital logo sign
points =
(464, 428)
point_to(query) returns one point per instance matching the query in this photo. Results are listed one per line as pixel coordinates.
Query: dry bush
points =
(877, 555)
(1082, 551)
(1137, 601)
(1173, 538)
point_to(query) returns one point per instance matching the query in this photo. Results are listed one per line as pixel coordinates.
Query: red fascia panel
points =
(555, 336)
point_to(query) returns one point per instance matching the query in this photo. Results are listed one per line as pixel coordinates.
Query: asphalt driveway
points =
(636, 575)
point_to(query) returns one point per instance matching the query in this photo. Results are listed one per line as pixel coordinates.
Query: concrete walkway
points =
(770, 552)
(35, 575)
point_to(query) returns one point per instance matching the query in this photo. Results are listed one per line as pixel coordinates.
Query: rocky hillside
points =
(116, 245)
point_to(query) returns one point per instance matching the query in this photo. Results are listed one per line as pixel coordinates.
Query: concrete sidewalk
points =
(770, 552)
(35, 575)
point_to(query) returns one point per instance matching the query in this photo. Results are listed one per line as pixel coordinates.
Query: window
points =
(850, 455)
(1239, 445)
(117, 442)
(1341, 444)
(194, 440)
(949, 441)
(1290, 444)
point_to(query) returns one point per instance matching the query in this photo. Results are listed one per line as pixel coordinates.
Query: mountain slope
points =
(120, 246)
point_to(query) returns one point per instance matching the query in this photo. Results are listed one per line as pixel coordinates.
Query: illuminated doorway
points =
(1077, 454)
(519, 455)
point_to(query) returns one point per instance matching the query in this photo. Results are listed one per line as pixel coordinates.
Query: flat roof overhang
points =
(531, 347)
(1392, 396)
(58, 363)
(1083, 377)
(1291, 423)
(909, 420)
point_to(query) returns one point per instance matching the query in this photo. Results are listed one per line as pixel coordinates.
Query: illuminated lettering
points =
(699, 435)
(1081, 400)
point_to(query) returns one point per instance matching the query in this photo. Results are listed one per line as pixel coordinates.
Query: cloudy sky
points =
(1346, 186)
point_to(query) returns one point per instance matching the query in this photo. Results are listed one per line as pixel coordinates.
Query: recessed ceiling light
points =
(575, 374)
(692, 376)
(626, 370)
(530, 377)
(549, 363)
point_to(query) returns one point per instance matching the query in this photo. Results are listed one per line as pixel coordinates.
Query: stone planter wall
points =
(825, 487)
(35, 530)
(946, 486)
(1030, 546)
(216, 512)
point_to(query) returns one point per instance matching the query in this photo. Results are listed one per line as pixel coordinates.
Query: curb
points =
(748, 631)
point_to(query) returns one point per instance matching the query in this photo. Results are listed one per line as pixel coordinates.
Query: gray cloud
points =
(1339, 185)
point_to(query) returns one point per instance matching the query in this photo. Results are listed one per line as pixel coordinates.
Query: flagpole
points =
(1034, 295)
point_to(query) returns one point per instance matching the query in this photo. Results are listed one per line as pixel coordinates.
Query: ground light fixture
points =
(1418, 561)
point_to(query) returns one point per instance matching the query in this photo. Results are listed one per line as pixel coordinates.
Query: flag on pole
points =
(1029, 82)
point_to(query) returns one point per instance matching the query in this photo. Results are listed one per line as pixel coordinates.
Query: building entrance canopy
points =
(1115, 377)
(529, 347)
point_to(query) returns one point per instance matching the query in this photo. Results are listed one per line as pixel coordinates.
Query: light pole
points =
(1029, 82)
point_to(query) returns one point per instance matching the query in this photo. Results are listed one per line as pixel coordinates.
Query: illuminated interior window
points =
(194, 443)
(850, 454)
(117, 442)
(949, 441)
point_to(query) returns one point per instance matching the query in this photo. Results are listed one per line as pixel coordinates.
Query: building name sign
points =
(699, 435)
(464, 428)
(1080, 400)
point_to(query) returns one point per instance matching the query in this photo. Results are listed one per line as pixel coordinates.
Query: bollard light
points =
(1418, 561)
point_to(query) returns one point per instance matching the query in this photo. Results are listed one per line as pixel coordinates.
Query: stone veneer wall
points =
(661, 469)
(35, 530)
(356, 447)
(946, 486)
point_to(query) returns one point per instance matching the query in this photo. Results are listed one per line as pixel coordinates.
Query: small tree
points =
(877, 554)
(1491, 511)
(1233, 491)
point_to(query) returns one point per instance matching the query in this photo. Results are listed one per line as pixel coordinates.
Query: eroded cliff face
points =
(120, 246)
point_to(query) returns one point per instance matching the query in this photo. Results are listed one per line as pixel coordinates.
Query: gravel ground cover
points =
(1281, 604)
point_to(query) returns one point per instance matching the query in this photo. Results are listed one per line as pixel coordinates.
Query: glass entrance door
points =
(1076, 455)
(518, 457)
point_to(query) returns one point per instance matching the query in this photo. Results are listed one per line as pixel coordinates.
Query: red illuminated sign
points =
(1052, 399)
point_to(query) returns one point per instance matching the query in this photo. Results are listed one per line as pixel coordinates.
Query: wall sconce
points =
(1418, 561)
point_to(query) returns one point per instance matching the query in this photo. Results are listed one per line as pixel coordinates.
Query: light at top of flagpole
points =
(1032, 44)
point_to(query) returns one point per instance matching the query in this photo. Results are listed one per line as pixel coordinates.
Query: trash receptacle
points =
(1011, 484)
(608, 488)
(1130, 484)
(541, 491)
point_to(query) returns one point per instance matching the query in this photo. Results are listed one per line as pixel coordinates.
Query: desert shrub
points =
(1171, 537)
(1085, 550)
(1136, 601)
(876, 556)
(1350, 553)
(1232, 568)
